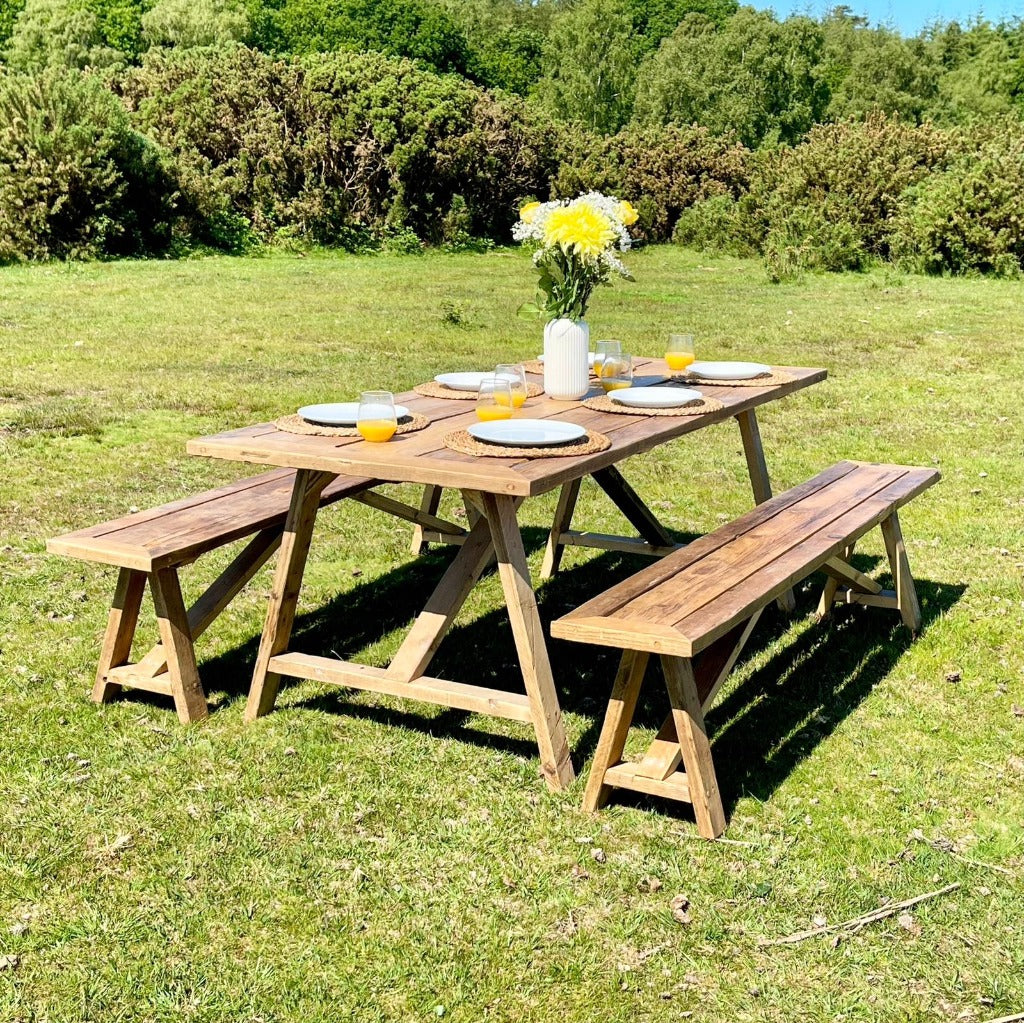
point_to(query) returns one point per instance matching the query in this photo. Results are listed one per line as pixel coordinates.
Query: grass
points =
(350, 857)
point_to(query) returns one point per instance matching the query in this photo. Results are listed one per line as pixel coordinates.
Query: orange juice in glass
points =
(615, 372)
(376, 420)
(494, 399)
(680, 353)
(516, 377)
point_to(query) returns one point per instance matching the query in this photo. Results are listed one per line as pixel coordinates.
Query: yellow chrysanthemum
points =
(528, 212)
(580, 228)
(627, 214)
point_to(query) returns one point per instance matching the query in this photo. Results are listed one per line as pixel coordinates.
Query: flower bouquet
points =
(575, 241)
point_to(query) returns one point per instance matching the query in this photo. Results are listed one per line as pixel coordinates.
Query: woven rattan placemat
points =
(463, 442)
(776, 376)
(698, 407)
(432, 389)
(296, 424)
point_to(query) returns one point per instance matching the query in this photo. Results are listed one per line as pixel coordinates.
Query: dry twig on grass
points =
(860, 921)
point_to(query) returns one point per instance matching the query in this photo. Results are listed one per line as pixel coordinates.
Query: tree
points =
(756, 77)
(589, 66)
(406, 28)
(56, 34)
(187, 23)
(887, 73)
(653, 20)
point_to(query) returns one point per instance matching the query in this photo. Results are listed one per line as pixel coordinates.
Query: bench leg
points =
(828, 594)
(693, 741)
(757, 469)
(121, 624)
(906, 593)
(567, 497)
(428, 506)
(176, 639)
(619, 717)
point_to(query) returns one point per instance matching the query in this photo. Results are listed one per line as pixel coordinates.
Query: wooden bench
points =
(697, 607)
(153, 545)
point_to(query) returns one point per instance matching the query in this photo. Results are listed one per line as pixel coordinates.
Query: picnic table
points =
(494, 489)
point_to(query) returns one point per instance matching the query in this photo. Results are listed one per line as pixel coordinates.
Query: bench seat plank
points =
(179, 532)
(691, 598)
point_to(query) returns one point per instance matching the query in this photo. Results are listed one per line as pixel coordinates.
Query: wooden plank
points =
(284, 595)
(559, 527)
(618, 717)
(608, 630)
(887, 598)
(906, 592)
(845, 573)
(476, 699)
(696, 750)
(624, 776)
(760, 483)
(176, 637)
(529, 638)
(127, 675)
(711, 621)
(423, 519)
(626, 499)
(654, 575)
(121, 624)
(429, 503)
(623, 544)
(743, 556)
(663, 755)
(828, 593)
(434, 621)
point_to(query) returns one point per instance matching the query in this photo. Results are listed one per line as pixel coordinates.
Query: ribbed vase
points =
(566, 365)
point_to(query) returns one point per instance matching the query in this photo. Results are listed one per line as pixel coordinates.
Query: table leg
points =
(626, 499)
(563, 519)
(759, 482)
(529, 639)
(420, 645)
(291, 563)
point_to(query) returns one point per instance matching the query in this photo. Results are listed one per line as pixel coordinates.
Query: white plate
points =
(727, 370)
(591, 356)
(462, 381)
(526, 433)
(654, 397)
(339, 413)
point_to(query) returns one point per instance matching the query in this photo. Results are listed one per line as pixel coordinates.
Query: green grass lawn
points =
(352, 857)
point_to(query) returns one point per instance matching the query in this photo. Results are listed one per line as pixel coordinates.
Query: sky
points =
(910, 17)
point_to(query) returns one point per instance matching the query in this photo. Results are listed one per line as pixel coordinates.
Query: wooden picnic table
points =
(494, 489)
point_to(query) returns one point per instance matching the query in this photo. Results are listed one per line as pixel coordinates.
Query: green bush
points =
(829, 202)
(662, 171)
(75, 180)
(715, 225)
(970, 218)
(339, 147)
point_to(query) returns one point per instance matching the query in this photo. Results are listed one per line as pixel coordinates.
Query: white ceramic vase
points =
(566, 365)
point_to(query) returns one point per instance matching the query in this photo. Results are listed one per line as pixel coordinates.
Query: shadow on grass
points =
(760, 730)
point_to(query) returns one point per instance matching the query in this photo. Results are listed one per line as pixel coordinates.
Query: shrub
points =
(75, 179)
(715, 224)
(662, 171)
(969, 218)
(829, 202)
(337, 146)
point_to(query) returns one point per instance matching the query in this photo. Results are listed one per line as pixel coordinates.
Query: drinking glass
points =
(516, 377)
(376, 419)
(616, 371)
(679, 353)
(602, 349)
(494, 399)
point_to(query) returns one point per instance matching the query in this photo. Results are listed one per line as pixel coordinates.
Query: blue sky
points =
(911, 17)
